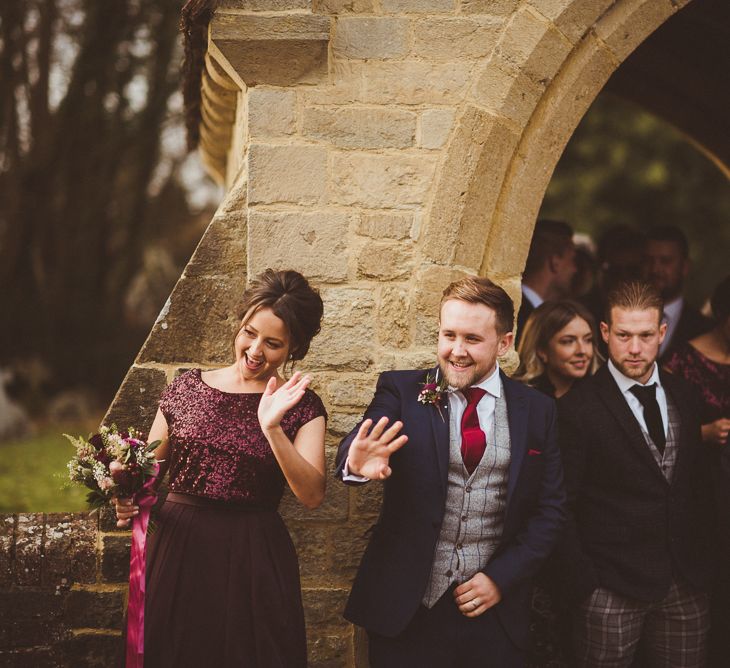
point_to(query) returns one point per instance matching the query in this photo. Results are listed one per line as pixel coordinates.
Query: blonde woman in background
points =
(556, 350)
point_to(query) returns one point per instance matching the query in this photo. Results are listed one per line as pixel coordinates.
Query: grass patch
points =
(33, 473)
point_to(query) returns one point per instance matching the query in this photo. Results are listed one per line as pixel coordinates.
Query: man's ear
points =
(604, 331)
(504, 343)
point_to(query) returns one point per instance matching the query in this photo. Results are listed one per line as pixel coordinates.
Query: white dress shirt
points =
(625, 384)
(532, 296)
(672, 314)
(457, 405)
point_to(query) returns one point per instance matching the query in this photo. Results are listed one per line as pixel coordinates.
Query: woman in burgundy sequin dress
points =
(222, 573)
(704, 362)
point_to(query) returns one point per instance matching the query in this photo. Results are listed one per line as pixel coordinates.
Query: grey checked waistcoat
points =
(475, 504)
(666, 461)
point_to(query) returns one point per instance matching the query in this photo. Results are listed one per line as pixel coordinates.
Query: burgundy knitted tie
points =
(473, 439)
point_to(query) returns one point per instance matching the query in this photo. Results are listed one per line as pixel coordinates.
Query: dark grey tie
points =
(646, 394)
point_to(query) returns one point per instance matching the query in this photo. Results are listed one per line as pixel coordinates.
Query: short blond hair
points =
(634, 296)
(480, 290)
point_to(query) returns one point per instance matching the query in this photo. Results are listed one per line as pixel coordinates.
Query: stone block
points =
(394, 317)
(263, 5)
(137, 398)
(385, 260)
(312, 243)
(107, 519)
(222, 249)
(372, 38)
(479, 153)
(69, 550)
(625, 27)
(115, 557)
(380, 181)
(178, 337)
(440, 38)
(34, 657)
(31, 617)
(419, 82)
(294, 174)
(347, 328)
(7, 549)
(436, 124)
(333, 508)
(366, 128)
(278, 49)
(430, 283)
(343, 87)
(351, 390)
(385, 225)
(502, 8)
(94, 609)
(418, 6)
(29, 549)
(573, 19)
(422, 357)
(366, 501)
(331, 651)
(314, 550)
(343, 6)
(341, 423)
(533, 46)
(93, 650)
(272, 112)
(509, 94)
(323, 608)
(351, 543)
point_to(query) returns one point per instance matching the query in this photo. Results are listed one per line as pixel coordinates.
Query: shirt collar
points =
(625, 383)
(532, 296)
(673, 309)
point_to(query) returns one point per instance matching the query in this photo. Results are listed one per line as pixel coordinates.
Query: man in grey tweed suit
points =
(473, 499)
(635, 558)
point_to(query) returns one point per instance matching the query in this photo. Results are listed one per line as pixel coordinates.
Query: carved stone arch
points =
(514, 125)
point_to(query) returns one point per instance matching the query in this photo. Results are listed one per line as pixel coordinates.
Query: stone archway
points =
(514, 128)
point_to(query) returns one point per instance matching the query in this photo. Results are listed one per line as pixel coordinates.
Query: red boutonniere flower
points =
(432, 391)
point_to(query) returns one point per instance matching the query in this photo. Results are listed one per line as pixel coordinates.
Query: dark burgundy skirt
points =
(222, 589)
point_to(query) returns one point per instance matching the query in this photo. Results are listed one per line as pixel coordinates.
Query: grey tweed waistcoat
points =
(475, 504)
(665, 461)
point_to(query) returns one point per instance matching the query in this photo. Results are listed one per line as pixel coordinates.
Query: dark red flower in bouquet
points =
(97, 441)
(119, 474)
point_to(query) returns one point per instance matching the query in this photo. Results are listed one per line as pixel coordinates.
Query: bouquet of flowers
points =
(112, 463)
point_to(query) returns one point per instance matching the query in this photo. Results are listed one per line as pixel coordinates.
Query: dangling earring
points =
(290, 356)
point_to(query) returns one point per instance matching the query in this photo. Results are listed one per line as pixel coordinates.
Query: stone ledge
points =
(276, 50)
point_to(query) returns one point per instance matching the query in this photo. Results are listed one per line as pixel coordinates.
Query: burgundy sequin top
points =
(711, 379)
(218, 450)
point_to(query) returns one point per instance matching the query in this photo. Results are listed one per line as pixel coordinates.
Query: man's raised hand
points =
(371, 449)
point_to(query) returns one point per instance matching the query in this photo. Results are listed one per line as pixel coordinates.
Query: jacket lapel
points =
(440, 428)
(617, 406)
(517, 414)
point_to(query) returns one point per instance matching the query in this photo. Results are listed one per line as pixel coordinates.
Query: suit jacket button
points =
(459, 546)
(468, 489)
(449, 573)
(463, 518)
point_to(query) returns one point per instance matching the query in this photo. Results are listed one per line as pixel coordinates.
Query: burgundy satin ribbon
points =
(145, 499)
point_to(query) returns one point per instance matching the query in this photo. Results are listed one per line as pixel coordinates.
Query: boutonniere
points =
(433, 391)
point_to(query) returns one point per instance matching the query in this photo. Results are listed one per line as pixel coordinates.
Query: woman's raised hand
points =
(125, 510)
(274, 403)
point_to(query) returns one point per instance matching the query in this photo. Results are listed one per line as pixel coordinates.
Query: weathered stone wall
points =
(383, 148)
(62, 589)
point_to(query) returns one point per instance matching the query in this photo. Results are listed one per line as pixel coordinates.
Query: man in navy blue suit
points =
(473, 497)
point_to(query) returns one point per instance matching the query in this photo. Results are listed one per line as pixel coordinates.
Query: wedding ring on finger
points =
(474, 604)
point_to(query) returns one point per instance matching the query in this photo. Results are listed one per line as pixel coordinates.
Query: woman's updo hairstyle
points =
(290, 297)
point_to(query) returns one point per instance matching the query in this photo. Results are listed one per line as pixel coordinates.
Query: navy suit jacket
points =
(396, 565)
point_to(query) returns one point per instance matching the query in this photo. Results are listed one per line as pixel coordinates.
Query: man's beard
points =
(461, 383)
(634, 372)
